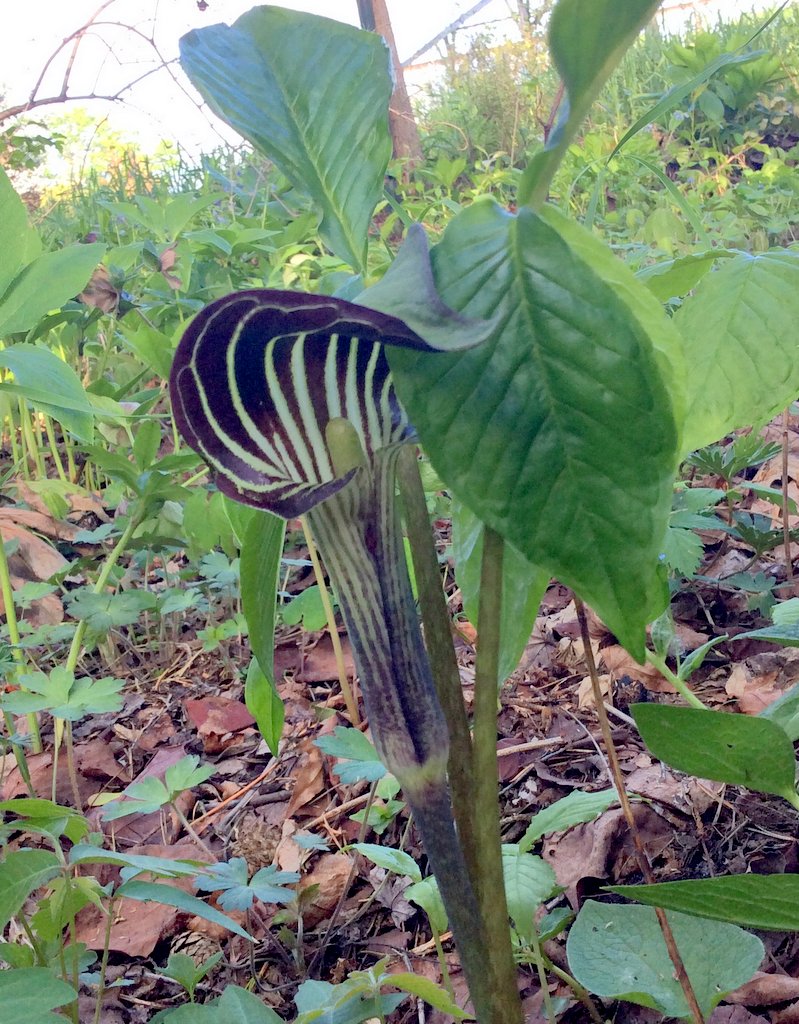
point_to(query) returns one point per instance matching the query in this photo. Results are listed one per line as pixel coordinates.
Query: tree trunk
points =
(402, 124)
(524, 20)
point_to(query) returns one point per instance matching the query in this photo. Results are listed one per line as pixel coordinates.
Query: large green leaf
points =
(523, 586)
(19, 242)
(45, 284)
(559, 431)
(618, 952)
(52, 386)
(313, 95)
(261, 549)
(755, 901)
(738, 749)
(22, 871)
(739, 332)
(28, 994)
(587, 39)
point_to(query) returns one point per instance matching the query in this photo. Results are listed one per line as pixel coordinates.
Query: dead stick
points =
(640, 851)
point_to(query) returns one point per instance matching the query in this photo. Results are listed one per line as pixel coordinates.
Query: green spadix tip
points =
(344, 445)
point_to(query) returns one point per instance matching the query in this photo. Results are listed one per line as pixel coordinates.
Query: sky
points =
(158, 107)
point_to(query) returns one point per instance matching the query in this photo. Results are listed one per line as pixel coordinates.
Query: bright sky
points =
(112, 57)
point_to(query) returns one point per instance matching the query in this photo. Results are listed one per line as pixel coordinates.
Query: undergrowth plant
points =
(551, 394)
(555, 400)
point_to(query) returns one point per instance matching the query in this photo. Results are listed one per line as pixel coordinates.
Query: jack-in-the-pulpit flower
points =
(289, 399)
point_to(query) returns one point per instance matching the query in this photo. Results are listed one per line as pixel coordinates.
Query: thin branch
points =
(641, 855)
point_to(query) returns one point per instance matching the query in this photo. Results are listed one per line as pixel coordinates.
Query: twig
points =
(640, 851)
(201, 822)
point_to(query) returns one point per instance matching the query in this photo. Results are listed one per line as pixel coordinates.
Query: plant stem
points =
(59, 466)
(541, 968)
(101, 582)
(640, 851)
(679, 684)
(190, 831)
(7, 592)
(332, 628)
(109, 924)
(490, 881)
(580, 992)
(786, 501)
(71, 768)
(438, 641)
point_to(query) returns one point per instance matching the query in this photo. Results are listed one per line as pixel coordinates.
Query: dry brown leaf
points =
(689, 637)
(603, 848)
(790, 1015)
(765, 990)
(734, 1015)
(138, 927)
(679, 792)
(585, 691)
(330, 873)
(217, 719)
(753, 692)
(100, 292)
(620, 663)
(308, 778)
(96, 760)
(39, 521)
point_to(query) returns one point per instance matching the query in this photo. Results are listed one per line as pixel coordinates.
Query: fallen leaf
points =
(330, 874)
(765, 990)
(315, 664)
(100, 292)
(96, 759)
(217, 718)
(679, 792)
(308, 778)
(753, 692)
(620, 663)
(790, 1015)
(585, 691)
(139, 927)
(603, 848)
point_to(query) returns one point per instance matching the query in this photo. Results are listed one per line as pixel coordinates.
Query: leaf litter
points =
(295, 812)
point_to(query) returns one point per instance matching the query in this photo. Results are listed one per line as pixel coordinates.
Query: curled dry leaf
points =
(619, 663)
(753, 692)
(308, 778)
(100, 292)
(330, 874)
(585, 691)
(765, 990)
(35, 560)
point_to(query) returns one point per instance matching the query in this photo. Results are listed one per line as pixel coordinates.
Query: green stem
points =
(19, 661)
(541, 968)
(51, 441)
(109, 924)
(438, 641)
(659, 662)
(581, 993)
(500, 966)
(102, 580)
(72, 770)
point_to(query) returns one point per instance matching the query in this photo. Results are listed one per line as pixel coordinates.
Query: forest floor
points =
(181, 699)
